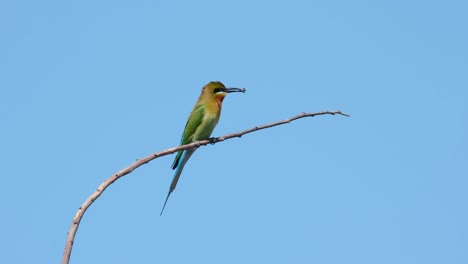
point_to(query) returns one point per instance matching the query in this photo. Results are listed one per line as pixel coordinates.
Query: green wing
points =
(194, 121)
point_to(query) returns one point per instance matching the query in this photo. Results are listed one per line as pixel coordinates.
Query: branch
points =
(79, 215)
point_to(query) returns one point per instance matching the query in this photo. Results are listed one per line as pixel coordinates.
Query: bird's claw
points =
(212, 140)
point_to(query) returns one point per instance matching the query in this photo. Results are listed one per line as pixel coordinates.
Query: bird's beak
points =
(234, 90)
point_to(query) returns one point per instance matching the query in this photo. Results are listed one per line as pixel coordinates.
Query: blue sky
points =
(89, 87)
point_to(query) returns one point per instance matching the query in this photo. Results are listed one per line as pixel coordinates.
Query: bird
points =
(200, 124)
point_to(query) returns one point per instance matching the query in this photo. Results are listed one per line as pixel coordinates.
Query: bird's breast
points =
(207, 126)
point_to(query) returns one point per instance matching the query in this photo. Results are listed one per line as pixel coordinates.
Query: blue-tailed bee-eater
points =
(200, 125)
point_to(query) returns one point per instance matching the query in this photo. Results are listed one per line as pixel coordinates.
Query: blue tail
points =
(178, 170)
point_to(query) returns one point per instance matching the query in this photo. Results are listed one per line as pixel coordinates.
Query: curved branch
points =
(79, 215)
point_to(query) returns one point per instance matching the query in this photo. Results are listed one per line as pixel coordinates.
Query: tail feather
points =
(177, 159)
(180, 166)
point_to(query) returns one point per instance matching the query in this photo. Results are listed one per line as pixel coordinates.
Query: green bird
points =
(200, 124)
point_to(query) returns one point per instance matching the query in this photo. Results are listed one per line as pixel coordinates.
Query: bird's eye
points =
(217, 90)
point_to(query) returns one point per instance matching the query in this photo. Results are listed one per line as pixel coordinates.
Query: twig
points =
(79, 215)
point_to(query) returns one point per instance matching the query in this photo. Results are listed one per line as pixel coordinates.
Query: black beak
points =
(234, 90)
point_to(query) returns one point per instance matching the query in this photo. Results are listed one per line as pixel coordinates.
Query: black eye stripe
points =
(217, 90)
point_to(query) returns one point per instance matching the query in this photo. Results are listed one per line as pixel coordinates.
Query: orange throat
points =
(220, 98)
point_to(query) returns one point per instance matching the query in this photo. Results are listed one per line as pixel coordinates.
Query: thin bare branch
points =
(79, 214)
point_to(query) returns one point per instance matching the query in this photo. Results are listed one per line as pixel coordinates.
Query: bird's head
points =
(218, 91)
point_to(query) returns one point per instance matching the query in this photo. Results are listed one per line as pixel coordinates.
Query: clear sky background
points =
(88, 87)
